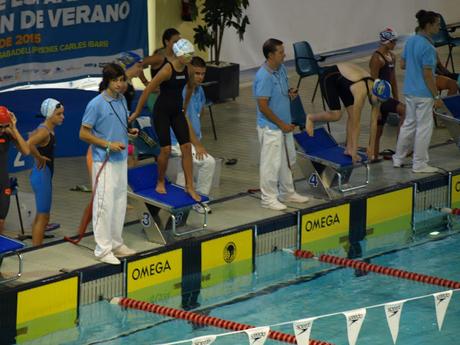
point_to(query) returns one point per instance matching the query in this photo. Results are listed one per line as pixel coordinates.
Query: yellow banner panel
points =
(226, 250)
(455, 191)
(319, 225)
(389, 206)
(46, 300)
(154, 270)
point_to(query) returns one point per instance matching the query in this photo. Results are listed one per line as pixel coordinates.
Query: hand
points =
(293, 92)
(438, 103)
(133, 133)
(200, 152)
(287, 128)
(14, 120)
(41, 161)
(132, 117)
(116, 146)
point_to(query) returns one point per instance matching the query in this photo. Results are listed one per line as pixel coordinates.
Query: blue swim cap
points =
(388, 35)
(381, 89)
(128, 59)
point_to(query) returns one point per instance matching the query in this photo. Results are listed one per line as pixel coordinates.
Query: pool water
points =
(284, 288)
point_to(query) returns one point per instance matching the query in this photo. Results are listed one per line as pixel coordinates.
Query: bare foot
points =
(354, 157)
(309, 126)
(195, 196)
(160, 188)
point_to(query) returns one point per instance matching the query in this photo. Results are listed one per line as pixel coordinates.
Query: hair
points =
(426, 17)
(198, 62)
(110, 72)
(167, 34)
(270, 46)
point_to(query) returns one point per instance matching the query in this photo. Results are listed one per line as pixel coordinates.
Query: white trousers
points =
(109, 206)
(204, 170)
(415, 133)
(275, 175)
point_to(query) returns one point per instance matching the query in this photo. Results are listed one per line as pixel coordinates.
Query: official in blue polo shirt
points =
(274, 127)
(419, 60)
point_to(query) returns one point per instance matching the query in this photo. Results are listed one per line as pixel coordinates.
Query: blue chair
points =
(9, 246)
(452, 118)
(325, 165)
(443, 38)
(160, 212)
(306, 65)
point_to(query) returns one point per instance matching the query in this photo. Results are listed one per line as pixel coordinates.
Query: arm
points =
(87, 136)
(19, 141)
(38, 137)
(270, 115)
(154, 61)
(375, 64)
(163, 74)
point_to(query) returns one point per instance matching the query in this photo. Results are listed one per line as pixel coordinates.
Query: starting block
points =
(452, 118)
(7, 246)
(325, 165)
(160, 212)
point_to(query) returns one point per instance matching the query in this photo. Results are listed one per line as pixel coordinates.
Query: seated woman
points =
(353, 85)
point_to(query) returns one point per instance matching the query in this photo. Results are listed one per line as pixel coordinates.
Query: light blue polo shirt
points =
(197, 101)
(274, 86)
(418, 54)
(108, 118)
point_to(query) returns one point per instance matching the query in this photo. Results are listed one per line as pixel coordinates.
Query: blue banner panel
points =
(56, 40)
(25, 104)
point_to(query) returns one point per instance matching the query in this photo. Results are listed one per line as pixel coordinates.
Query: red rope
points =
(364, 266)
(205, 320)
(88, 213)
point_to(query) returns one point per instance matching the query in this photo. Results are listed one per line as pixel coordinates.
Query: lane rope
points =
(203, 320)
(368, 267)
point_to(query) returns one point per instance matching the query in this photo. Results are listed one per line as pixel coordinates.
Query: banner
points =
(393, 312)
(302, 330)
(56, 40)
(257, 336)
(441, 302)
(205, 340)
(355, 320)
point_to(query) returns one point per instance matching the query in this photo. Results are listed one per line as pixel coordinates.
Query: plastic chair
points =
(443, 38)
(306, 64)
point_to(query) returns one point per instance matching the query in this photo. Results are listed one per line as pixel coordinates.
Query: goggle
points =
(59, 105)
(4, 126)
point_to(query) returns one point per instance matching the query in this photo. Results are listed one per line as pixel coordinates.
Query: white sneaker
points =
(109, 259)
(200, 209)
(426, 170)
(123, 251)
(275, 205)
(296, 198)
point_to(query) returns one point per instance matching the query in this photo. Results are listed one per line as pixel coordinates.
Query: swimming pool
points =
(283, 288)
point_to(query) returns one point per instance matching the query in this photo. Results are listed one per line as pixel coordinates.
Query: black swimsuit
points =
(391, 104)
(336, 87)
(168, 113)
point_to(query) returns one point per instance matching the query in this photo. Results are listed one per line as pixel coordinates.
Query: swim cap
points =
(5, 117)
(381, 89)
(387, 35)
(48, 107)
(183, 47)
(128, 59)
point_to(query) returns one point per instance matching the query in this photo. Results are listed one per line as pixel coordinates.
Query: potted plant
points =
(218, 15)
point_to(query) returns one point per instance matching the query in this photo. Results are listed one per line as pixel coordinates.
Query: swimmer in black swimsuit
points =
(352, 85)
(382, 65)
(169, 113)
(8, 133)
